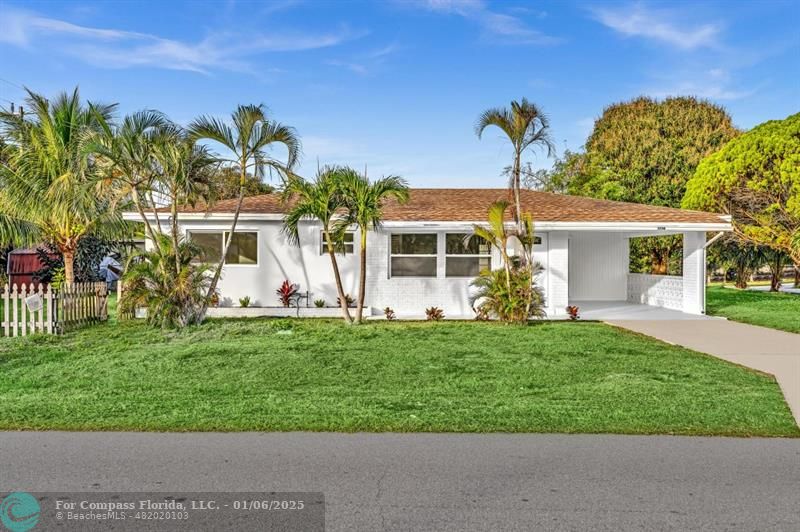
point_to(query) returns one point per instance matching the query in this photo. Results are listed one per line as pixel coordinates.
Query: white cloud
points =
(504, 27)
(366, 63)
(113, 48)
(660, 25)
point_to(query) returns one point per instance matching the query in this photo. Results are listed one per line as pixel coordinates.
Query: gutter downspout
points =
(708, 243)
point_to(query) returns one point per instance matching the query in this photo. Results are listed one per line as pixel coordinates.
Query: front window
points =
(242, 250)
(413, 255)
(466, 255)
(346, 246)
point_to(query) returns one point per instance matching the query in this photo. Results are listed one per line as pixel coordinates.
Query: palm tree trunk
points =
(337, 277)
(69, 265)
(148, 228)
(362, 277)
(174, 230)
(515, 185)
(218, 272)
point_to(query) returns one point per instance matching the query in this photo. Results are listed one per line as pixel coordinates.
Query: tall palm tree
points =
(185, 177)
(125, 156)
(319, 200)
(526, 126)
(248, 141)
(364, 202)
(48, 177)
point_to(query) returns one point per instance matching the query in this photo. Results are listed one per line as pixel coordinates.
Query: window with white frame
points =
(346, 246)
(466, 255)
(413, 255)
(242, 250)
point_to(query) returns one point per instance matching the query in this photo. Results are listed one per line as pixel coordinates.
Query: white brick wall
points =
(656, 290)
(558, 269)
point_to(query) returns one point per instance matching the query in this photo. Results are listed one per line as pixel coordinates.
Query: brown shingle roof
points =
(472, 204)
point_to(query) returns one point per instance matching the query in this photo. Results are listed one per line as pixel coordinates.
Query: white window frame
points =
(413, 255)
(488, 255)
(225, 232)
(323, 249)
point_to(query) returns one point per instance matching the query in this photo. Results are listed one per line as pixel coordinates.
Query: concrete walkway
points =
(760, 348)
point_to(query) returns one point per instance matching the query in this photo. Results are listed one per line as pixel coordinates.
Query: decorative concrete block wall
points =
(656, 290)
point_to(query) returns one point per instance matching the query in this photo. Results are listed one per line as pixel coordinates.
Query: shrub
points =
(505, 294)
(572, 310)
(244, 301)
(287, 293)
(389, 313)
(172, 299)
(350, 301)
(434, 314)
(319, 303)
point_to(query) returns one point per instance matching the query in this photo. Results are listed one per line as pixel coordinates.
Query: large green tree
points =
(49, 180)
(645, 151)
(756, 179)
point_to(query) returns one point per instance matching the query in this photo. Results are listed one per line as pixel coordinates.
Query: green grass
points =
(775, 310)
(319, 375)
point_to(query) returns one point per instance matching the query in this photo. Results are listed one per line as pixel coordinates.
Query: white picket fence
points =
(46, 309)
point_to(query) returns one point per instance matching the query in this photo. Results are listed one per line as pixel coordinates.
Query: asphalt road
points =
(442, 482)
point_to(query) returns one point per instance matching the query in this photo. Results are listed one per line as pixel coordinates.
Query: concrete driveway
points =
(760, 348)
(444, 482)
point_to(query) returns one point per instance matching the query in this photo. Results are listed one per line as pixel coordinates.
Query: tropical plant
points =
(363, 202)
(88, 256)
(287, 292)
(319, 303)
(434, 314)
(573, 312)
(319, 200)
(172, 300)
(48, 179)
(526, 127)
(756, 179)
(389, 313)
(244, 302)
(512, 298)
(249, 141)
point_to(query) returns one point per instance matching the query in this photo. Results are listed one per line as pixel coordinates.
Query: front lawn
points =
(321, 375)
(768, 309)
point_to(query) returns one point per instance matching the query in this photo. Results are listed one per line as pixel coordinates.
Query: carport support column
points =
(694, 272)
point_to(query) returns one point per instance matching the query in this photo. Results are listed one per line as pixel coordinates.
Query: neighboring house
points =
(417, 259)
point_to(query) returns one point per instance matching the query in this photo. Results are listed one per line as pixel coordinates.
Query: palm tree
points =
(125, 155)
(185, 177)
(497, 234)
(364, 202)
(248, 141)
(526, 126)
(318, 200)
(48, 177)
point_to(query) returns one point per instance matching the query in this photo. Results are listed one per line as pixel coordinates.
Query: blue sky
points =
(397, 85)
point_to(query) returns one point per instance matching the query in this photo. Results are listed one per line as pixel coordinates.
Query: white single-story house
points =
(418, 258)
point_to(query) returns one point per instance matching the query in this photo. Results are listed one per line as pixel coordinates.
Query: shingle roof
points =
(472, 204)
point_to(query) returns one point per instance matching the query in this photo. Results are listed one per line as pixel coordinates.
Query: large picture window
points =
(466, 256)
(243, 248)
(345, 247)
(413, 255)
